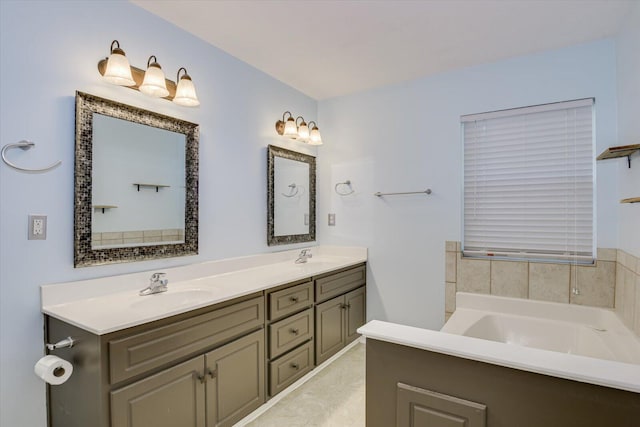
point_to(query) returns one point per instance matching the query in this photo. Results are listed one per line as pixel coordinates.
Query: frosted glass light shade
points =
(314, 137)
(186, 93)
(290, 129)
(118, 71)
(303, 132)
(154, 83)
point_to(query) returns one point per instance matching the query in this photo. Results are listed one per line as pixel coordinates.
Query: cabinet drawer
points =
(150, 349)
(287, 301)
(289, 368)
(339, 283)
(290, 332)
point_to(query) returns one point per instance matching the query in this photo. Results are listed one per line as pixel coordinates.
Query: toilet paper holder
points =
(68, 342)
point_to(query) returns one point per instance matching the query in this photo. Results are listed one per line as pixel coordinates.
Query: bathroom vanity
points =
(248, 335)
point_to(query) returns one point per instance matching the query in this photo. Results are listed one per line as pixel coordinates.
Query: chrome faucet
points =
(157, 283)
(304, 255)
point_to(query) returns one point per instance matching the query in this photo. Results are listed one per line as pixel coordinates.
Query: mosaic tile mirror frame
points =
(86, 252)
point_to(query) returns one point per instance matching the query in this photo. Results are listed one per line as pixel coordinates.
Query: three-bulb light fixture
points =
(116, 70)
(299, 130)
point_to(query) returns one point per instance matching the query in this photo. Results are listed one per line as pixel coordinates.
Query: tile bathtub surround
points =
(614, 282)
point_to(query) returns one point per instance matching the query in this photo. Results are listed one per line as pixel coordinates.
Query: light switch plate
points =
(332, 219)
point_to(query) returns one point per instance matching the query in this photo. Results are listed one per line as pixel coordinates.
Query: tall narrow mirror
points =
(291, 196)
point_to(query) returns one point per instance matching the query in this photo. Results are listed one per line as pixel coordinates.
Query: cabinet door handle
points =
(294, 331)
(348, 305)
(200, 377)
(343, 306)
(295, 366)
(211, 373)
(293, 299)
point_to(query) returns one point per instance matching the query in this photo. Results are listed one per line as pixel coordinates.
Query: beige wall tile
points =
(549, 282)
(637, 307)
(152, 233)
(170, 232)
(132, 234)
(632, 262)
(473, 275)
(619, 289)
(450, 266)
(596, 284)
(111, 241)
(629, 296)
(96, 236)
(510, 279)
(112, 235)
(450, 297)
(450, 246)
(447, 315)
(152, 239)
(607, 254)
(133, 240)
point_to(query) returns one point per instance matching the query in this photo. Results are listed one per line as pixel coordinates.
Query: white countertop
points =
(607, 373)
(110, 304)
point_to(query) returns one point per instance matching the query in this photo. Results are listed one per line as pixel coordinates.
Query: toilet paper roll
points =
(53, 370)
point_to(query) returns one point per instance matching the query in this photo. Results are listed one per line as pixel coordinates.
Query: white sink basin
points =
(172, 299)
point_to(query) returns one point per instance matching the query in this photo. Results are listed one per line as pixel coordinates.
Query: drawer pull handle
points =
(293, 299)
(294, 331)
(295, 366)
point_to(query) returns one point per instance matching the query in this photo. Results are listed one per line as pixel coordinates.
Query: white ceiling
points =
(328, 48)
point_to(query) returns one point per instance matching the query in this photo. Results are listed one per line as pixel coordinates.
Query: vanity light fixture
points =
(289, 127)
(154, 81)
(116, 70)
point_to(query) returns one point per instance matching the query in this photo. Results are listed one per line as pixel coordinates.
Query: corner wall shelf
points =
(620, 151)
(157, 186)
(631, 200)
(103, 207)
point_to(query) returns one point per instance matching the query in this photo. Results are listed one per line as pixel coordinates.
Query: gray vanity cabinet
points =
(204, 368)
(338, 318)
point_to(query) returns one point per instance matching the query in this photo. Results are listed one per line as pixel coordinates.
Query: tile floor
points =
(332, 398)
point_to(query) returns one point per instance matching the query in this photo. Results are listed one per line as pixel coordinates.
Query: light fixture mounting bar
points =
(138, 77)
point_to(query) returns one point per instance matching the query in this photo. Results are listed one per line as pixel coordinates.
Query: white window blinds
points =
(529, 182)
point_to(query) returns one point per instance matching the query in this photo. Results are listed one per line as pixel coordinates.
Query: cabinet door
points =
(173, 397)
(235, 380)
(330, 330)
(356, 317)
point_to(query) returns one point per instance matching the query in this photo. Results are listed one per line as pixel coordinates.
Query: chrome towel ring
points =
(25, 145)
(348, 184)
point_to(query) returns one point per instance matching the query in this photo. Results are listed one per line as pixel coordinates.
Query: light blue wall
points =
(628, 68)
(407, 137)
(51, 49)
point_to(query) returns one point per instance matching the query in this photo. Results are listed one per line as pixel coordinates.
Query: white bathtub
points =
(586, 331)
(573, 342)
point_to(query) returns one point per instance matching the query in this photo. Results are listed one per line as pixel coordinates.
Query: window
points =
(529, 183)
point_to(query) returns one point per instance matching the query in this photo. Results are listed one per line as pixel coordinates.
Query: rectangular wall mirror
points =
(291, 197)
(136, 184)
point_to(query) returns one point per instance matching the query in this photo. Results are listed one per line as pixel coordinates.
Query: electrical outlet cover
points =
(37, 227)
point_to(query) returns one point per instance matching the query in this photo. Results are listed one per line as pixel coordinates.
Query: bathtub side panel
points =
(512, 397)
